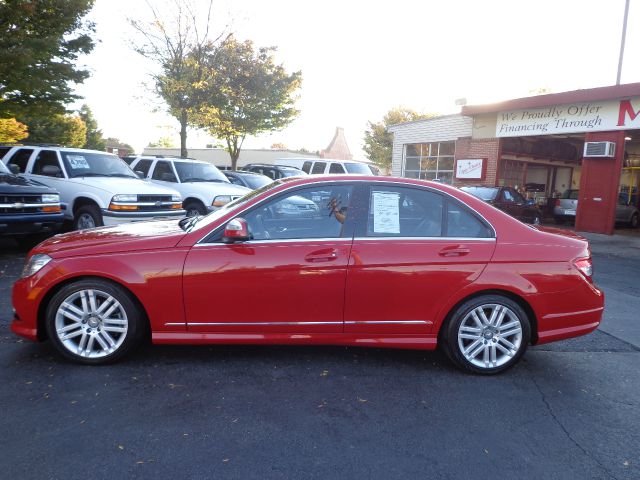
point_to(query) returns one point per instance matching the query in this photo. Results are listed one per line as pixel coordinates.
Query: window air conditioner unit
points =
(599, 149)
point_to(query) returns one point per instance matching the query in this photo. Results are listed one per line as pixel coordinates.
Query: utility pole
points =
(624, 35)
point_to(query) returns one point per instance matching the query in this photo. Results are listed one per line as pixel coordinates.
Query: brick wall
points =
(482, 148)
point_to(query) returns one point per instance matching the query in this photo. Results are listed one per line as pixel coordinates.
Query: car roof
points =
(242, 172)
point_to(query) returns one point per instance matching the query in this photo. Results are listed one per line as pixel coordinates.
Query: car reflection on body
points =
(391, 262)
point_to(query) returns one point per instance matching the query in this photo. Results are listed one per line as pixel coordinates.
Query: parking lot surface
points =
(568, 410)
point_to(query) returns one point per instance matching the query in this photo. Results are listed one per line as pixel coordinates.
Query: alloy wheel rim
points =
(490, 335)
(91, 323)
(86, 221)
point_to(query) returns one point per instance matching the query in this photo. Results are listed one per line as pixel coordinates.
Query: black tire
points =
(195, 208)
(132, 322)
(451, 344)
(86, 215)
(635, 221)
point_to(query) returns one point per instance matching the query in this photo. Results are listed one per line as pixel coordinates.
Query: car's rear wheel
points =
(93, 322)
(487, 334)
(88, 216)
(635, 221)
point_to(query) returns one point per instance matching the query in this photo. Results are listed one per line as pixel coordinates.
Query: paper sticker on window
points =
(77, 161)
(386, 212)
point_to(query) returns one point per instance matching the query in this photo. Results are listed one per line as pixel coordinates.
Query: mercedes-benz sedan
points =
(381, 262)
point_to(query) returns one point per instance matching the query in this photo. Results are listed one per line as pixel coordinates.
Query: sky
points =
(359, 59)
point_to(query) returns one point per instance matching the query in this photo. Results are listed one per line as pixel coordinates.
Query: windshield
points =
(292, 172)
(357, 168)
(200, 222)
(256, 181)
(89, 164)
(199, 172)
(484, 193)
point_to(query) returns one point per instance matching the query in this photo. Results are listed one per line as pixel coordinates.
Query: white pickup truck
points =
(96, 188)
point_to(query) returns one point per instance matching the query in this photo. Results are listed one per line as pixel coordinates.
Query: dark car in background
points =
(275, 172)
(509, 200)
(250, 180)
(28, 209)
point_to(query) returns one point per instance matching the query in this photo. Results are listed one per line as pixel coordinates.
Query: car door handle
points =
(323, 256)
(454, 252)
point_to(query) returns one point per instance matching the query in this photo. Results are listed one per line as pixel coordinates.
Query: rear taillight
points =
(585, 266)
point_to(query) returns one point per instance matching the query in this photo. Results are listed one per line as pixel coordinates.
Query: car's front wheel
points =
(88, 216)
(93, 322)
(487, 334)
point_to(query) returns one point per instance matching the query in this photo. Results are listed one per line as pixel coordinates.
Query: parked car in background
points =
(274, 172)
(28, 210)
(96, 188)
(327, 166)
(566, 206)
(203, 187)
(387, 262)
(508, 200)
(250, 180)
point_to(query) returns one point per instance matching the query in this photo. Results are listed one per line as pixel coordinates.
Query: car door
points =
(413, 249)
(289, 278)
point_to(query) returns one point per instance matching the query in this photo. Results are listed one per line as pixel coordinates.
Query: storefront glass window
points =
(430, 161)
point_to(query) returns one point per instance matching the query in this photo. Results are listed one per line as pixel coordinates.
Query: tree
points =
(113, 142)
(163, 142)
(244, 92)
(378, 141)
(93, 138)
(40, 42)
(66, 130)
(175, 43)
(12, 131)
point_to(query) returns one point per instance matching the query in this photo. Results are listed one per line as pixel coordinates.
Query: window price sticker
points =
(386, 212)
(77, 161)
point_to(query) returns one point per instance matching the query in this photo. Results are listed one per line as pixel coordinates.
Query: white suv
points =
(203, 187)
(96, 188)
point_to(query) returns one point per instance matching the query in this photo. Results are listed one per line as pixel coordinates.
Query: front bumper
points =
(24, 224)
(110, 218)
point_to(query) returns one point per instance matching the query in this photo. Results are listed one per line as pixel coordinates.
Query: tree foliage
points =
(67, 130)
(162, 142)
(12, 131)
(40, 42)
(243, 92)
(378, 142)
(93, 138)
(174, 41)
(113, 142)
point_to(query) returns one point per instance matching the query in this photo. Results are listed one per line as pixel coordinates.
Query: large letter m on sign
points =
(626, 109)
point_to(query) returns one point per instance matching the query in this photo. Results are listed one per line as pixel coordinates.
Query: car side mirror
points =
(237, 230)
(13, 168)
(51, 171)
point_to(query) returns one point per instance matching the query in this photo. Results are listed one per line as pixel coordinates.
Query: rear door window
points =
(318, 167)
(336, 168)
(306, 167)
(143, 166)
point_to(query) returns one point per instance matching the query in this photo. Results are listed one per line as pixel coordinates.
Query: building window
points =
(429, 161)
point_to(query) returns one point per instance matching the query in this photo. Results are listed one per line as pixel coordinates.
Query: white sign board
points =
(469, 168)
(571, 118)
(386, 212)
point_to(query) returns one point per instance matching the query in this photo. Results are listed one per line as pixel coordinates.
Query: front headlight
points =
(125, 198)
(50, 198)
(34, 264)
(221, 200)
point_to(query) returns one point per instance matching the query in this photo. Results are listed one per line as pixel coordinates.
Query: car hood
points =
(104, 240)
(117, 185)
(10, 183)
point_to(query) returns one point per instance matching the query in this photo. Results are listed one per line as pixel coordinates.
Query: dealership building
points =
(584, 140)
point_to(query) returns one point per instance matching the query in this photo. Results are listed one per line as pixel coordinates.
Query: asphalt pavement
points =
(567, 410)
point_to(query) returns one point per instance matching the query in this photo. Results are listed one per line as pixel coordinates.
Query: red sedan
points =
(380, 262)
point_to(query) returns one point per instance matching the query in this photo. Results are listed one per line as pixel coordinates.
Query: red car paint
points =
(346, 291)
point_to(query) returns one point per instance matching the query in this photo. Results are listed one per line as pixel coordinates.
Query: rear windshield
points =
(485, 193)
(571, 195)
(357, 168)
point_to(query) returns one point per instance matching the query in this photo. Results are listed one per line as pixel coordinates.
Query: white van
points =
(319, 166)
